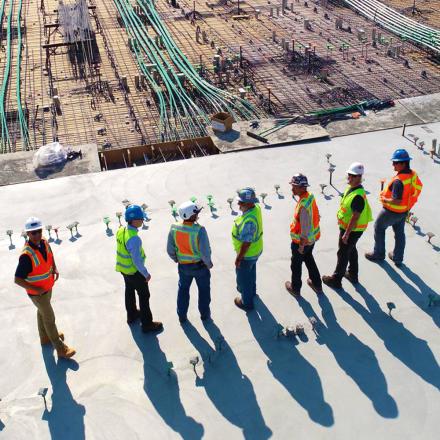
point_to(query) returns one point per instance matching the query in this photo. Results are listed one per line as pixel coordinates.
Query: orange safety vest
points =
(186, 242)
(309, 203)
(42, 271)
(412, 187)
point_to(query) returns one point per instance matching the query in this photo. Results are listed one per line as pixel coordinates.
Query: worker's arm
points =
(23, 283)
(205, 247)
(244, 248)
(305, 222)
(351, 225)
(55, 272)
(397, 193)
(171, 247)
(134, 248)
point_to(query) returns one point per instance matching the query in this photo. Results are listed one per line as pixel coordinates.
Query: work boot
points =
(134, 318)
(239, 303)
(289, 288)
(352, 278)
(391, 257)
(154, 326)
(331, 281)
(183, 319)
(317, 290)
(372, 257)
(65, 352)
(46, 340)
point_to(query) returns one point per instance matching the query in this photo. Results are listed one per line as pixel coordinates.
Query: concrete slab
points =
(364, 373)
(426, 108)
(18, 168)
(237, 139)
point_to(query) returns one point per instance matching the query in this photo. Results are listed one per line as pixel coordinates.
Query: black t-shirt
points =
(397, 186)
(358, 203)
(24, 267)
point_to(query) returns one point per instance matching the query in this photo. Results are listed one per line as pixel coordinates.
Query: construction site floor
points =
(363, 374)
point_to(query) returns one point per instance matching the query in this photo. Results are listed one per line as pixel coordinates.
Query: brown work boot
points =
(65, 352)
(331, 281)
(317, 290)
(352, 278)
(46, 340)
(152, 327)
(373, 257)
(289, 288)
(239, 303)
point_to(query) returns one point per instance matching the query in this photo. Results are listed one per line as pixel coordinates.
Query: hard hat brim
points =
(35, 228)
(254, 200)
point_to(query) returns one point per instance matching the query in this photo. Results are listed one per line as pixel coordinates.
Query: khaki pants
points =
(46, 319)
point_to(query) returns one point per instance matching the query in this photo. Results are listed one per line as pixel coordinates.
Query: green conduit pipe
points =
(23, 125)
(5, 140)
(404, 27)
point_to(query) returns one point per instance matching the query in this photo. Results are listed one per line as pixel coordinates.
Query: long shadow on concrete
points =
(399, 341)
(293, 371)
(230, 391)
(66, 416)
(355, 358)
(162, 389)
(420, 296)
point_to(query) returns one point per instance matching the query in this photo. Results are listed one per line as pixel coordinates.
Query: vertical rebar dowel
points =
(404, 128)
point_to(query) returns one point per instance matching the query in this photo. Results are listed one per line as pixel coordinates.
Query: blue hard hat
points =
(299, 180)
(401, 155)
(247, 195)
(134, 212)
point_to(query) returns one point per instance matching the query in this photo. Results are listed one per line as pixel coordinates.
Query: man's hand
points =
(148, 278)
(345, 238)
(301, 249)
(56, 274)
(237, 262)
(210, 266)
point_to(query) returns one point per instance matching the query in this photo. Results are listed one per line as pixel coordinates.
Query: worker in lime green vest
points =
(130, 262)
(353, 217)
(247, 239)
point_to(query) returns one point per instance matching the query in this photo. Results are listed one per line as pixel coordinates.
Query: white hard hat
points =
(33, 224)
(356, 168)
(188, 209)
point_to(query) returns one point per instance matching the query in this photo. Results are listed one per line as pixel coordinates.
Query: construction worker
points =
(130, 261)
(397, 198)
(353, 217)
(247, 239)
(304, 232)
(37, 273)
(188, 245)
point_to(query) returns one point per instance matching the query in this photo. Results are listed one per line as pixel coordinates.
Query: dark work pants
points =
(296, 266)
(347, 255)
(136, 283)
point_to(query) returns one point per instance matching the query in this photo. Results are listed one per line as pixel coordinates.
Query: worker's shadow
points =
(289, 367)
(163, 389)
(226, 385)
(399, 341)
(420, 295)
(66, 416)
(355, 358)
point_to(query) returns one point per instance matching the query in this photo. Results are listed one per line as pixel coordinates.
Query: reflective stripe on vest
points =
(252, 215)
(412, 187)
(308, 202)
(42, 270)
(345, 212)
(124, 262)
(186, 242)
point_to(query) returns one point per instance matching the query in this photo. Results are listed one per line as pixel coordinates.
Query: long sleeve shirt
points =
(133, 246)
(305, 222)
(204, 246)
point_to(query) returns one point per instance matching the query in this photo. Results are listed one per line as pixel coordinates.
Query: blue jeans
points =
(187, 272)
(247, 281)
(384, 220)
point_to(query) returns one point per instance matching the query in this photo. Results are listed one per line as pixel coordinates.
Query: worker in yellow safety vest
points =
(304, 233)
(188, 245)
(247, 239)
(130, 262)
(353, 217)
(397, 198)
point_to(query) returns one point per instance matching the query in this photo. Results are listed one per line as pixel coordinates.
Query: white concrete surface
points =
(364, 376)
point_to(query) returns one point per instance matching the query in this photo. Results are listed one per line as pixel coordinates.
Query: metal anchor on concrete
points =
(391, 306)
(174, 213)
(119, 215)
(9, 233)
